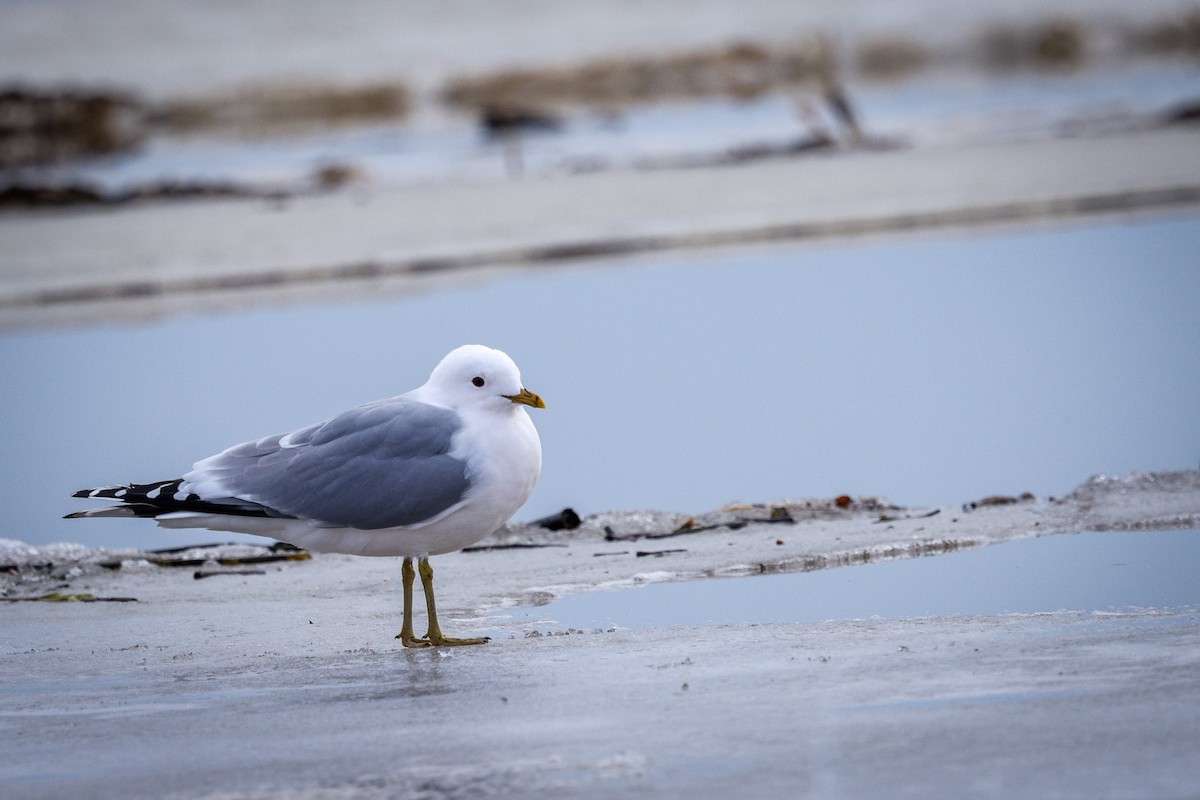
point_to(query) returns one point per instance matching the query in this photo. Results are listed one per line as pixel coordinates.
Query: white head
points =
(478, 376)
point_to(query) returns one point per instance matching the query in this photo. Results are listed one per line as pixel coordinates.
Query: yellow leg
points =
(406, 634)
(434, 635)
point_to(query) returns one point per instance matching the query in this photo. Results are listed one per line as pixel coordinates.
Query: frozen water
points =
(290, 683)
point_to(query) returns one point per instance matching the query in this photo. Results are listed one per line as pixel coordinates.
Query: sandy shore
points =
(290, 683)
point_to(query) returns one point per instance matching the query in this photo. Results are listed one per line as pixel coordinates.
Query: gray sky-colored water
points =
(1086, 572)
(934, 368)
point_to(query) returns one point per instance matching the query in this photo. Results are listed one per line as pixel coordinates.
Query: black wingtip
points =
(161, 497)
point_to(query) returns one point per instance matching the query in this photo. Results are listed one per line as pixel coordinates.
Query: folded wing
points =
(381, 465)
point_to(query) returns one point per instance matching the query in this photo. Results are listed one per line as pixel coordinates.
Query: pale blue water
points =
(1083, 572)
(929, 369)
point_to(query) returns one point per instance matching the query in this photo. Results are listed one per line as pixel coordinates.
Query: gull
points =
(425, 473)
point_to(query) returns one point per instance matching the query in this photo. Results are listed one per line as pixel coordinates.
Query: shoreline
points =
(545, 564)
(81, 266)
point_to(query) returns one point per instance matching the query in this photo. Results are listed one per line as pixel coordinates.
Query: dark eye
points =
(478, 381)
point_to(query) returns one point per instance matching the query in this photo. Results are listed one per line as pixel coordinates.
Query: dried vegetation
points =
(741, 70)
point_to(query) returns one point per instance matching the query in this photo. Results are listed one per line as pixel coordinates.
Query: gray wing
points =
(378, 466)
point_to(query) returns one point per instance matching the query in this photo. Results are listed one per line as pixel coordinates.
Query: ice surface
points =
(290, 684)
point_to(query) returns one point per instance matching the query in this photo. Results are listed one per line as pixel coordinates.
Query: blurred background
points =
(918, 249)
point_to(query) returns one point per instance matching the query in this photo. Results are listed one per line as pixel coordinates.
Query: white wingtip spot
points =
(180, 496)
(119, 493)
(153, 493)
(94, 493)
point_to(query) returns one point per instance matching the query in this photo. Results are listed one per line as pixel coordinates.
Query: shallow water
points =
(928, 369)
(1109, 571)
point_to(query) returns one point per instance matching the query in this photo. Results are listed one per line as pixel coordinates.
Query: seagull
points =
(425, 473)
